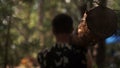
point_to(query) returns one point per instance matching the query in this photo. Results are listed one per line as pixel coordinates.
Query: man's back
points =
(63, 56)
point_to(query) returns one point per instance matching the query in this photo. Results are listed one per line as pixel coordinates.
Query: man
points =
(63, 55)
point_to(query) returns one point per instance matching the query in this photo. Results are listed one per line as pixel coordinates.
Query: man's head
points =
(62, 24)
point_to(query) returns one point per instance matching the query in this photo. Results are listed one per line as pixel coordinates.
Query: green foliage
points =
(115, 4)
(27, 36)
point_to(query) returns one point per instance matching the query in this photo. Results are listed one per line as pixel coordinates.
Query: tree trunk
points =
(41, 12)
(7, 42)
(84, 6)
(40, 20)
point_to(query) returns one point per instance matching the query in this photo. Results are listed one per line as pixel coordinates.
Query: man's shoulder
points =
(55, 48)
(62, 48)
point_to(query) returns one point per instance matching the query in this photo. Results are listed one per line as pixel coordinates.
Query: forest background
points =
(25, 28)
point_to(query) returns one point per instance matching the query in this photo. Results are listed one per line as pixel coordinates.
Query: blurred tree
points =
(5, 20)
(17, 31)
(25, 25)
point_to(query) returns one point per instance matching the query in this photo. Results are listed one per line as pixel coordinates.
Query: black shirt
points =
(63, 56)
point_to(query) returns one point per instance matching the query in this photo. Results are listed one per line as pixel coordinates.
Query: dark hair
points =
(62, 23)
(102, 21)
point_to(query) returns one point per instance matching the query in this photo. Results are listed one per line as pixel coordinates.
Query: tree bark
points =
(40, 20)
(41, 12)
(7, 42)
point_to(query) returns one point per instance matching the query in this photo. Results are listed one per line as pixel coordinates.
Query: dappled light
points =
(25, 30)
